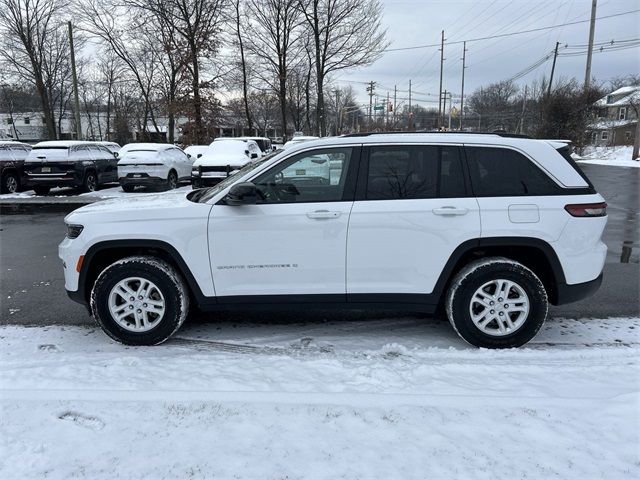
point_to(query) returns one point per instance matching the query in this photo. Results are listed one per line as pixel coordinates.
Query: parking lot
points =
(33, 286)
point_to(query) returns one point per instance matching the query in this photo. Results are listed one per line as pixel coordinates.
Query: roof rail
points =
(435, 132)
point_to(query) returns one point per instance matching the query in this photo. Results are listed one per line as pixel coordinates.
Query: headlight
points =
(195, 173)
(74, 231)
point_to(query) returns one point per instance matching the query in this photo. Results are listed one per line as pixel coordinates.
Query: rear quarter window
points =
(502, 172)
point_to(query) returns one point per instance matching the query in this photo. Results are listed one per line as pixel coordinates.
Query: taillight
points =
(587, 209)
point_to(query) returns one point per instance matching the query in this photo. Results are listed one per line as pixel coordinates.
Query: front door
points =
(411, 211)
(293, 241)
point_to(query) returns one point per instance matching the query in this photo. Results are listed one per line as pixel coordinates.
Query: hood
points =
(140, 208)
(214, 160)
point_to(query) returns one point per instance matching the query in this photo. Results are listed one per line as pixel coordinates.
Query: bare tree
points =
(27, 28)
(198, 24)
(237, 21)
(346, 34)
(276, 29)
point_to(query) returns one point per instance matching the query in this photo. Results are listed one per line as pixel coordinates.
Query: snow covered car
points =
(195, 151)
(298, 139)
(223, 158)
(264, 143)
(153, 165)
(113, 147)
(487, 228)
(12, 157)
(62, 163)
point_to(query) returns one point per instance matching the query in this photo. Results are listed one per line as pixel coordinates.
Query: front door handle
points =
(449, 210)
(323, 214)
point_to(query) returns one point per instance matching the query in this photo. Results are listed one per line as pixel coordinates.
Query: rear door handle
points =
(449, 210)
(323, 214)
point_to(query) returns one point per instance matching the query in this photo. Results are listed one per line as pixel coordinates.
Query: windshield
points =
(49, 153)
(228, 146)
(205, 194)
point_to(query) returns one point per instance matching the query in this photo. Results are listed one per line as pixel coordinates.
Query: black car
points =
(12, 157)
(84, 165)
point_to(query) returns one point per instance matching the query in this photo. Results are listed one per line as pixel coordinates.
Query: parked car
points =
(195, 151)
(62, 163)
(488, 228)
(153, 165)
(113, 147)
(297, 140)
(12, 157)
(223, 159)
(264, 144)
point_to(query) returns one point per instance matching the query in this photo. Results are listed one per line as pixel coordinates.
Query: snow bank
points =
(613, 156)
(363, 400)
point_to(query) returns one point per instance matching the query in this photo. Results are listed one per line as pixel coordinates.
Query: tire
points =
(475, 287)
(172, 180)
(166, 288)
(40, 190)
(10, 183)
(128, 188)
(90, 182)
(197, 183)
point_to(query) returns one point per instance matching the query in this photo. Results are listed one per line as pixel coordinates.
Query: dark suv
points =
(12, 157)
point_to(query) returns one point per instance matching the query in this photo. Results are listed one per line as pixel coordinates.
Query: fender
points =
(81, 295)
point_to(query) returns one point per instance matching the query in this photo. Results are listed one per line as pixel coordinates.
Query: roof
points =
(605, 124)
(156, 147)
(63, 143)
(13, 142)
(629, 94)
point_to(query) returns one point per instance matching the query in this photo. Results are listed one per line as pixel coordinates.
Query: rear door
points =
(413, 208)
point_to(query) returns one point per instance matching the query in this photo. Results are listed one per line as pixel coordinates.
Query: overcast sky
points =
(411, 23)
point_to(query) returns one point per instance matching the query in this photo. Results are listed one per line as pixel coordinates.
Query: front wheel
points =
(140, 300)
(496, 303)
(10, 183)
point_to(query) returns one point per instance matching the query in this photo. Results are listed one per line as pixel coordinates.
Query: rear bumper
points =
(572, 293)
(144, 180)
(50, 181)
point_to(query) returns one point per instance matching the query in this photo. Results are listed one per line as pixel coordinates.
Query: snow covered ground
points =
(380, 399)
(613, 156)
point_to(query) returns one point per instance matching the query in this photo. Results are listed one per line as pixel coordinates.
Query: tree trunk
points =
(636, 143)
(283, 104)
(197, 102)
(46, 108)
(245, 89)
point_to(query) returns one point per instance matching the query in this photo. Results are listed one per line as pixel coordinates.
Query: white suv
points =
(152, 165)
(489, 228)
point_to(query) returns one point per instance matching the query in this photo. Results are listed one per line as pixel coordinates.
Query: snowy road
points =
(380, 399)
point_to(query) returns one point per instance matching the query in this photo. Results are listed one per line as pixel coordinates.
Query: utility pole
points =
(395, 105)
(410, 122)
(592, 29)
(524, 103)
(75, 84)
(444, 106)
(636, 144)
(371, 90)
(441, 71)
(464, 58)
(337, 92)
(386, 114)
(553, 68)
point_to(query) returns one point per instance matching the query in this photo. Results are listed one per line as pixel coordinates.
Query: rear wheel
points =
(496, 303)
(90, 183)
(40, 190)
(128, 188)
(140, 301)
(172, 180)
(10, 183)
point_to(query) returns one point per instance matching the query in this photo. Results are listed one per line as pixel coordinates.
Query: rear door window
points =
(502, 172)
(414, 172)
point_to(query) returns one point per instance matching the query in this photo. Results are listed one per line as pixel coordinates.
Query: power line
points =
(416, 47)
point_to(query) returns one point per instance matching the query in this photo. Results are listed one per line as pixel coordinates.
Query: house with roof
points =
(617, 117)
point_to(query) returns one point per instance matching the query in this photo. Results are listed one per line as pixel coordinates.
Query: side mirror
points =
(244, 193)
(199, 155)
(116, 154)
(254, 155)
(246, 152)
(188, 155)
